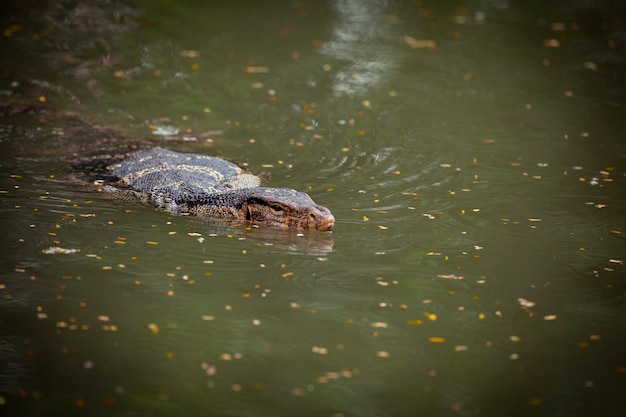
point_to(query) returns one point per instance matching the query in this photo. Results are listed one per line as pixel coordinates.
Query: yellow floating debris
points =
(551, 43)
(448, 276)
(319, 350)
(431, 316)
(420, 43)
(256, 70)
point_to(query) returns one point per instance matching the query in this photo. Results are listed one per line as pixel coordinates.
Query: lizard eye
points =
(276, 208)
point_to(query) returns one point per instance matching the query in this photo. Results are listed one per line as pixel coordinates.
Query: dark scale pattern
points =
(207, 186)
(180, 176)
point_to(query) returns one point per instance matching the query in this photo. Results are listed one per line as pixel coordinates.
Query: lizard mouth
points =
(326, 224)
(321, 219)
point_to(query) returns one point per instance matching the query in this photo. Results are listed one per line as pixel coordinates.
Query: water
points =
(472, 154)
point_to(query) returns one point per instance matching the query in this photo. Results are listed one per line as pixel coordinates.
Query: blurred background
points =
(472, 152)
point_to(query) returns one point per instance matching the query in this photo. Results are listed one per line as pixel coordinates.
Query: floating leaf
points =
(55, 250)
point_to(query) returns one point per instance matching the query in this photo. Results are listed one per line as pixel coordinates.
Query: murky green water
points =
(474, 157)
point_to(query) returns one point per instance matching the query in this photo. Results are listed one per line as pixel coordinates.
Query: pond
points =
(474, 157)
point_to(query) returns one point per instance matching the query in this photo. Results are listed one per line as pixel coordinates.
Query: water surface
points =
(472, 153)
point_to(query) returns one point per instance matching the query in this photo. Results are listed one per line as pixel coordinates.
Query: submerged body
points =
(208, 186)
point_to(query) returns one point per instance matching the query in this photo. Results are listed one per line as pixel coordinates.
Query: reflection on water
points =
(364, 42)
(477, 263)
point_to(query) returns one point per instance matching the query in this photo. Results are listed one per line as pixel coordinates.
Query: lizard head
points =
(287, 208)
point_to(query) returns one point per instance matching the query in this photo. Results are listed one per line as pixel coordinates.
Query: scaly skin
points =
(279, 207)
(210, 187)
